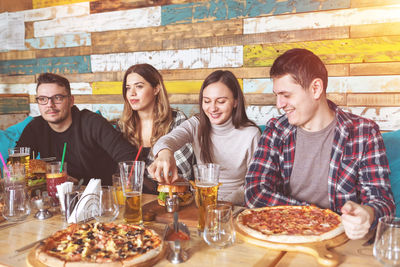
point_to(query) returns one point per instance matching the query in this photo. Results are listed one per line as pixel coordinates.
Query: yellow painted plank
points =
(369, 30)
(371, 3)
(47, 3)
(173, 87)
(372, 49)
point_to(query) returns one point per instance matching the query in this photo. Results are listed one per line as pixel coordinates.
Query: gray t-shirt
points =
(309, 178)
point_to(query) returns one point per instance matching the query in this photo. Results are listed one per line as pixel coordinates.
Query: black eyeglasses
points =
(56, 99)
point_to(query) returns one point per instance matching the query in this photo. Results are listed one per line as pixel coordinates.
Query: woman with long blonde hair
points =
(147, 116)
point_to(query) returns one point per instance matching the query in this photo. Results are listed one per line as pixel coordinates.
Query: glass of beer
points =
(20, 155)
(116, 178)
(206, 177)
(132, 183)
(54, 177)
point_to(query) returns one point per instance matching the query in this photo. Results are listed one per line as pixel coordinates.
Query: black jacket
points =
(94, 147)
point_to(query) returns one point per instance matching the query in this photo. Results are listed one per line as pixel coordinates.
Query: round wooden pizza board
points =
(317, 249)
(31, 260)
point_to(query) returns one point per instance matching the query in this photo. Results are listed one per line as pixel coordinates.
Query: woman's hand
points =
(164, 169)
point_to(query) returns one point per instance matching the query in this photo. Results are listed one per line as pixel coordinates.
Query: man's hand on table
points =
(356, 219)
(163, 166)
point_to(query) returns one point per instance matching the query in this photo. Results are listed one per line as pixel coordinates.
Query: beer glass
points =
(54, 177)
(15, 175)
(387, 241)
(20, 155)
(218, 229)
(132, 183)
(206, 177)
(16, 203)
(116, 178)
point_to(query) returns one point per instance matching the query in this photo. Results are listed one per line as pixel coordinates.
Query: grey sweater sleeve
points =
(174, 140)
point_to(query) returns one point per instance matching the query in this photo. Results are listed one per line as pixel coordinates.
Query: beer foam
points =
(205, 184)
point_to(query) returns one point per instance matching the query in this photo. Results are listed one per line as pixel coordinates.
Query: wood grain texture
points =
(18, 54)
(372, 49)
(17, 79)
(29, 30)
(259, 38)
(12, 103)
(13, 6)
(64, 52)
(374, 100)
(60, 41)
(364, 84)
(325, 19)
(99, 6)
(216, 10)
(60, 11)
(108, 21)
(388, 68)
(370, 3)
(152, 38)
(76, 64)
(215, 57)
(49, 3)
(13, 88)
(381, 29)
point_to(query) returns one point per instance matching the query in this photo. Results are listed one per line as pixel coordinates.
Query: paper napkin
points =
(90, 195)
(62, 189)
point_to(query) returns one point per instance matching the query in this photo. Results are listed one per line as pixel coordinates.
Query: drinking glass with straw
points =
(56, 173)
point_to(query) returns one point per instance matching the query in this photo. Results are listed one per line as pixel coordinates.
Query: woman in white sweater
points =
(220, 134)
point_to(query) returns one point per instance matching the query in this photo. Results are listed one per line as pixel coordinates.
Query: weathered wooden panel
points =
(17, 88)
(369, 3)
(374, 100)
(173, 87)
(20, 54)
(108, 21)
(77, 64)
(18, 79)
(95, 77)
(152, 37)
(259, 38)
(389, 68)
(64, 52)
(109, 111)
(388, 118)
(360, 84)
(12, 103)
(71, 10)
(261, 114)
(372, 49)
(12, 31)
(216, 57)
(76, 89)
(48, 3)
(29, 30)
(188, 109)
(13, 6)
(314, 20)
(381, 29)
(216, 10)
(7, 120)
(61, 41)
(99, 6)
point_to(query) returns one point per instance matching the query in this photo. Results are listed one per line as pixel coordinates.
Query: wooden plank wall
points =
(92, 43)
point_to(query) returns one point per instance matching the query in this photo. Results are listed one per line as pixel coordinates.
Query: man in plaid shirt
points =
(318, 154)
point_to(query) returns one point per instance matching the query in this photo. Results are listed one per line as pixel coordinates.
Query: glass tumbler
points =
(16, 203)
(218, 230)
(387, 241)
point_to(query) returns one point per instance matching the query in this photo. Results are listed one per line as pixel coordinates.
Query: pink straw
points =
(137, 156)
(5, 166)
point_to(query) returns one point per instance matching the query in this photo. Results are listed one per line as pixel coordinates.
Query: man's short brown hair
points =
(303, 65)
(54, 78)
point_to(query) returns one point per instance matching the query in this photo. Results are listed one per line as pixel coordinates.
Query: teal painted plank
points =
(68, 40)
(75, 64)
(215, 10)
(14, 104)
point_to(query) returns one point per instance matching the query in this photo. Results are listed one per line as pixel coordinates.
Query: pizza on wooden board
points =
(290, 224)
(99, 244)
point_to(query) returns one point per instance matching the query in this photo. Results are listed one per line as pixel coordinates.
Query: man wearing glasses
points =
(94, 147)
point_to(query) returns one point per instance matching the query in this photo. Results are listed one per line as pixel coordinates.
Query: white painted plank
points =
(17, 88)
(106, 21)
(12, 31)
(323, 19)
(354, 84)
(364, 84)
(215, 57)
(388, 118)
(53, 12)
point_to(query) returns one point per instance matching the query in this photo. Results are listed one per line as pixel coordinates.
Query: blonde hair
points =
(162, 114)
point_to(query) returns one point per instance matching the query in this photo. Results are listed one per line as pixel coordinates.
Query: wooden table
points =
(239, 254)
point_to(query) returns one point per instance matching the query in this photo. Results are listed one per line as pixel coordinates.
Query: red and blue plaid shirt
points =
(358, 169)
